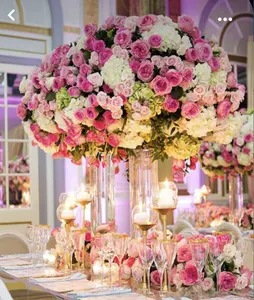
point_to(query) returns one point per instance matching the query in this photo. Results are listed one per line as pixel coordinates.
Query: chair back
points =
(4, 293)
(12, 242)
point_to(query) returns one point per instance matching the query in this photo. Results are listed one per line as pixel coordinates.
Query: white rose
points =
(240, 141)
(81, 43)
(96, 79)
(229, 147)
(241, 283)
(243, 159)
(229, 252)
(23, 84)
(49, 82)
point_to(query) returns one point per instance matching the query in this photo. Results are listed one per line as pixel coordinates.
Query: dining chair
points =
(4, 293)
(12, 242)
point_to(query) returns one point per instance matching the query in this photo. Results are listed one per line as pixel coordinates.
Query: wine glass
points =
(146, 256)
(97, 246)
(170, 250)
(109, 253)
(120, 243)
(199, 250)
(160, 260)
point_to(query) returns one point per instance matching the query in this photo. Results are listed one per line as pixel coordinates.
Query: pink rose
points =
(80, 114)
(105, 55)
(57, 83)
(207, 284)
(214, 63)
(123, 38)
(146, 22)
(184, 254)
(174, 77)
(85, 69)
(71, 79)
(191, 55)
(135, 64)
(140, 49)
(35, 128)
(125, 272)
(189, 275)
(185, 23)
(223, 109)
(231, 80)
(95, 79)
(86, 86)
(91, 113)
(145, 71)
(119, 21)
(248, 138)
(74, 91)
(176, 62)
(158, 61)
(155, 277)
(90, 29)
(227, 281)
(99, 124)
(78, 59)
(228, 156)
(170, 104)
(137, 272)
(187, 74)
(204, 52)
(102, 99)
(107, 89)
(21, 111)
(109, 23)
(130, 261)
(89, 43)
(98, 45)
(200, 90)
(93, 100)
(155, 41)
(246, 272)
(195, 33)
(161, 85)
(94, 59)
(190, 110)
(114, 140)
(209, 98)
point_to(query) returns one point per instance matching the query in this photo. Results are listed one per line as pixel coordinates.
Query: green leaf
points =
(87, 54)
(50, 96)
(177, 92)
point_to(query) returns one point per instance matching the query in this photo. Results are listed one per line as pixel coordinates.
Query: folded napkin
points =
(98, 292)
(13, 262)
(22, 267)
(75, 276)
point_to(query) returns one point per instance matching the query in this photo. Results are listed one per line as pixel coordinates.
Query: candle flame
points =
(166, 183)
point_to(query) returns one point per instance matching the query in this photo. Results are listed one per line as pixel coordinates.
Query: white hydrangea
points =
(115, 71)
(204, 123)
(23, 84)
(73, 106)
(45, 123)
(81, 42)
(166, 21)
(216, 147)
(185, 44)
(244, 159)
(218, 77)
(226, 129)
(229, 252)
(203, 73)
(222, 162)
(27, 129)
(49, 82)
(60, 121)
(171, 40)
(130, 141)
(136, 128)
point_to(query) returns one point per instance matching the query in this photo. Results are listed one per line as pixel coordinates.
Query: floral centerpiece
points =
(234, 158)
(184, 274)
(136, 82)
(247, 217)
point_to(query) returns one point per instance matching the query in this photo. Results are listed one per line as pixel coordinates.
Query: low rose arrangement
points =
(135, 82)
(234, 158)
(247, 217)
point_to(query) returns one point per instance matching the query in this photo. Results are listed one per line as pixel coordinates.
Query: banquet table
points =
(74, 285)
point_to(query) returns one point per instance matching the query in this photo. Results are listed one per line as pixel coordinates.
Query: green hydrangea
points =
(182, 146)
(62, 98)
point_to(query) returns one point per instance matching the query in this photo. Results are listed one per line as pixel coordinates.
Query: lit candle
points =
(141, 218)
(70, 202)
(99, 268)
(67, 214)
(166, 197)
(198, 196)
(83, 195)
(49, 258)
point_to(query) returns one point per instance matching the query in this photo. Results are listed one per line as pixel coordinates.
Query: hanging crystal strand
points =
(235, 197)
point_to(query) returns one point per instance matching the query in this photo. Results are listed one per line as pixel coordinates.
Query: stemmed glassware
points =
(146, 256)
(160, 260)
(199, 250)
(120, 243)
(109, 253)
(170, 250)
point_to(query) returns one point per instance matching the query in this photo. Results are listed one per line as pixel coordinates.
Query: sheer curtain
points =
(16, 148)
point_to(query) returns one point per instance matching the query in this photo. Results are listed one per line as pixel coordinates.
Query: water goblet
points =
(109, 253)
(160, 260)
(146, 257)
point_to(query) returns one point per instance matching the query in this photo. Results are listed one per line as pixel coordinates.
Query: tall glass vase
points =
(143, 175)
(102, 180)
(235, 197)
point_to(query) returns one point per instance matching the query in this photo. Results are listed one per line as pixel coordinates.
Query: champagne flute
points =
(146, 256)
(199, 251)
(160, 260)
(170, 250)
(109, 252)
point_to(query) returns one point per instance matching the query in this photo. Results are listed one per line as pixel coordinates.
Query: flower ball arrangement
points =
(135, 82)
(234, 158)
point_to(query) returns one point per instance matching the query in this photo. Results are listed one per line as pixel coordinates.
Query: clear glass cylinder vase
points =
(143, 176)
(235, 197)
(102, 180)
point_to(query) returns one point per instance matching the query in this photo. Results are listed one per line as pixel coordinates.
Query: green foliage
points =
(50, 96)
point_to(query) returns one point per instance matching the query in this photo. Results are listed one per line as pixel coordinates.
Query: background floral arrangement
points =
(247, 218)
(208, 215)
(136, 82)
(234, 158)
